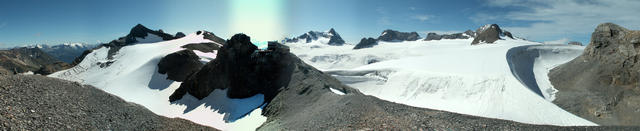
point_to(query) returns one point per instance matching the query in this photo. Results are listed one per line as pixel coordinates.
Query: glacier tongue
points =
(447, 75)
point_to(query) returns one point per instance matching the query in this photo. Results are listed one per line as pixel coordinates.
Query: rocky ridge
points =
(603, 84)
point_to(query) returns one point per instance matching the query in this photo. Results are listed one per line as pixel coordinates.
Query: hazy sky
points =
(92, 21)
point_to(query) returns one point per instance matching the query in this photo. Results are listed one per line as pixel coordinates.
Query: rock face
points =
(489, 34)
(366, 43)
(33, 102)
(603, 84)
(575, 43)
(179, 65)
(25, 59)
(332, 35)
(242, 69)
(392, 36)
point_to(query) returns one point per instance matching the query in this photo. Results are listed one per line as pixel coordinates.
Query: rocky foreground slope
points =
(603, 84)
(33, 102)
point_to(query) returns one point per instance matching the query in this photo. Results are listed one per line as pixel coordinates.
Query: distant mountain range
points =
(66, 52)
(330, 37)
(486, 34)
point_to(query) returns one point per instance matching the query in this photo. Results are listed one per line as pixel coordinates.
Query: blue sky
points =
(91, 21)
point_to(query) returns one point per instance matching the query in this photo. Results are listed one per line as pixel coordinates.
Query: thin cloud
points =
(422, 17)
(560, 41)
(412, 8)
(565, 18)
(483, 18)
(3, 24)
(442, 32)
(384, 20)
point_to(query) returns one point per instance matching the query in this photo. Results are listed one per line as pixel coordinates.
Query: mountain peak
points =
(490, 33)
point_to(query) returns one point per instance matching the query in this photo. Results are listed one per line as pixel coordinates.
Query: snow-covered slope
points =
(452, 75)
(132, 75)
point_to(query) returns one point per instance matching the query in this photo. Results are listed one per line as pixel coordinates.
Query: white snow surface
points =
(133, 77)
(453, 75)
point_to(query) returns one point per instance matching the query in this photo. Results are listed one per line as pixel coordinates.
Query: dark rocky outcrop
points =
(332, 35)
(179, 35)
(242, 69)
(575, 43)
(603, 84)
(489, 34)
(25, 59)
(392, 36)
(366, 43)
(179, 65)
